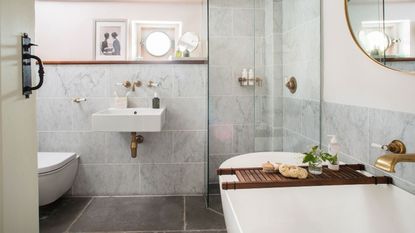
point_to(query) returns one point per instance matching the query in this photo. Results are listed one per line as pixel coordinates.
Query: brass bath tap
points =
(388, 162)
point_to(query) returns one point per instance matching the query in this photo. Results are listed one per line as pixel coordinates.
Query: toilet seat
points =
(51, 161)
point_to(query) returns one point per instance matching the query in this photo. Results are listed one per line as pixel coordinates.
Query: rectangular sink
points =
(129, 120)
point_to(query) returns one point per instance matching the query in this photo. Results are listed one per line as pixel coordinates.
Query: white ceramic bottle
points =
(333, 149)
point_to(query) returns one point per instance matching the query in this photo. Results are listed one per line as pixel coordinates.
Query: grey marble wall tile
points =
(221, 22)
(214, 162)
(53, 85)
(277, 116)
(294, 142)
(82, 112)
(57, 141)
(137, 102)
(189, 146)
(260, 53)
(310, 119)
(259, 22)
(89, 145)
(54, 114)
(232, 51)
(263, 138)
(308, 79)
(237, 89)
(117, 148)
(220, 139)
(292, 114)
(296, 12)
(386, 126)
(231, 110)
(243, 138)
(84, 81)
(351, 125)
(107, 180)
(233, 3)
(157, 73)
(278, 16)
(172, 178)
(221, 81)
(190, 81)
(277, 139)
(243, 22)
(156, 148)
(263, 110)
(185, 113)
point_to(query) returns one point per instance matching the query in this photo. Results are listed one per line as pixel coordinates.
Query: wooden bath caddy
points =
(249, 178)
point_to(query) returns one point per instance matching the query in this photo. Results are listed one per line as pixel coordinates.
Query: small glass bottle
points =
(156, 101)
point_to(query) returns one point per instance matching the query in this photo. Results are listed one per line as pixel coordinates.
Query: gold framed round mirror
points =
(384, 30)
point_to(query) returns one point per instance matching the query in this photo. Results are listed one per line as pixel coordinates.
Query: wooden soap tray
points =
(249, 178)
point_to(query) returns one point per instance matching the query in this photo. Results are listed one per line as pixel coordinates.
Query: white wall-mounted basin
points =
(129, 120)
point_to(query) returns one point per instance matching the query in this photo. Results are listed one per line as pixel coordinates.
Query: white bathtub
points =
(320, 209)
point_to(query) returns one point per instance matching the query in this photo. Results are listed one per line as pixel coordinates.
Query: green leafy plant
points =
(314, 156)
(332, 159)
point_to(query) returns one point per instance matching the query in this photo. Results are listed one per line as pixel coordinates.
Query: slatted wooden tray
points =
(255, 178)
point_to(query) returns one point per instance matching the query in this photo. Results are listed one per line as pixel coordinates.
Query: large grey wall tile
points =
(221, 80)
(82, 112)
(292, 114)
(185, 113)
(386, 126)
(189, 146)
(107, 180)
(310, 119)
(239, 50)
(171, 178)
(221, 22)
(231, 110)
(243, 22)
(243, 139)
(351, 125)
(156, 148)
(54, 114)
(190, 81)
(220, 139)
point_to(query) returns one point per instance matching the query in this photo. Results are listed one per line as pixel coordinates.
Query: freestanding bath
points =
(325, 209)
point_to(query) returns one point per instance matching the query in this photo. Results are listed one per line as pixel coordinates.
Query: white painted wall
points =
(65, 30)
(352, 78)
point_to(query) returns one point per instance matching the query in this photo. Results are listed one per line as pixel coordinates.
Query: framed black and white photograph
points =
(111, 40)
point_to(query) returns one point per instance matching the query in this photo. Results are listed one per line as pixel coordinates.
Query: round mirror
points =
(158, 44)
(188, 41)
(384, 30)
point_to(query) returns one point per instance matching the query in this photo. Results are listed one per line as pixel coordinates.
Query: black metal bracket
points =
(27, 67)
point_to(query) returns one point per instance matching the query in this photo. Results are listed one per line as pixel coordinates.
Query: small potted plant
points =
(333, 161)
(314, 159)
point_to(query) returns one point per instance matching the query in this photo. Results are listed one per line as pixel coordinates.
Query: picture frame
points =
(111, 39)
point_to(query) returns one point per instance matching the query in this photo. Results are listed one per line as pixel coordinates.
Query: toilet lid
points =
(49, 161)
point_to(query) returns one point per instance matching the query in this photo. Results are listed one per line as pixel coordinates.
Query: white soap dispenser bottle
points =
(334, 146)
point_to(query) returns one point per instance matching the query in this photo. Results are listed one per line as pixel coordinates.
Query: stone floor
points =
(172, 214)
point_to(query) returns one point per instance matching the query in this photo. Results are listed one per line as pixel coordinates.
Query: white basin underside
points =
(125, 120)
(323, 209)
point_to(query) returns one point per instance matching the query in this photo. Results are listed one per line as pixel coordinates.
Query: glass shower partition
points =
(277, 39)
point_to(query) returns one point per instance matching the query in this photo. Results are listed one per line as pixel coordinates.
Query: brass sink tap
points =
(135, 140)
(388, 162)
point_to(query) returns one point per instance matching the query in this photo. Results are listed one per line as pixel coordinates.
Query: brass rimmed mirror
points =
(384, 30)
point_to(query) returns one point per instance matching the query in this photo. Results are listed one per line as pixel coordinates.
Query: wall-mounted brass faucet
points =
(388, 162)
(127, 84)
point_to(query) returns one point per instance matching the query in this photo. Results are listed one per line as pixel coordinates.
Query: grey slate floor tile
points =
(149, 214)
(200, 218)
(131, 214)
(58, 216)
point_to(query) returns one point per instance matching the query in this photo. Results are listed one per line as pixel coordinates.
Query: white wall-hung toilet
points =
(56, 172)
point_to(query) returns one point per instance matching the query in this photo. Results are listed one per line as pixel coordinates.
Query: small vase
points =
(334, 167)
(315, 168)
